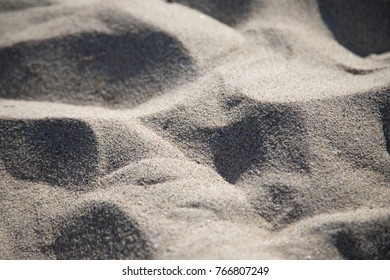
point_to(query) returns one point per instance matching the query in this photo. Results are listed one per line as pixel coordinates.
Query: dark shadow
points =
(55, 151)
(102, 232)
(14, 5)
(87, 68)
(369, 244)
(385, 114)
(362, 26)
(273, 136)
(230, 12)
(357, 71)
(280, 204)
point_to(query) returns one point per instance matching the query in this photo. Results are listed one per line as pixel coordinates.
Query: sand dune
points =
(183, 129)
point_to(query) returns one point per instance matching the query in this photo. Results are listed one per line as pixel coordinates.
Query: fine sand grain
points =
(194, 129)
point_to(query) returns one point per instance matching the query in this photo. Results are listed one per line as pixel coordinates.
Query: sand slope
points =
(194, 129)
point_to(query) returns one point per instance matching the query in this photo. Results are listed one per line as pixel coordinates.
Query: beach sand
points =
(194, 129)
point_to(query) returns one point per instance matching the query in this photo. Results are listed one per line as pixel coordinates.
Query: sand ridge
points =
(185, 129)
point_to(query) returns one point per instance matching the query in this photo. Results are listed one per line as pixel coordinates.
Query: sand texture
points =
(194, 129)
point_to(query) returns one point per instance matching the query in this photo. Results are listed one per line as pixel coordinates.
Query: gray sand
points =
(185, 129)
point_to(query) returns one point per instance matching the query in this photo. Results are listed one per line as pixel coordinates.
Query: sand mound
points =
(94, 54)
(54, 151)
(194, 129)
(85, 236)
(93, 67)
(273, 136)
(358, 235)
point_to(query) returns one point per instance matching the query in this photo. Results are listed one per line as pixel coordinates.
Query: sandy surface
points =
(194, 129)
